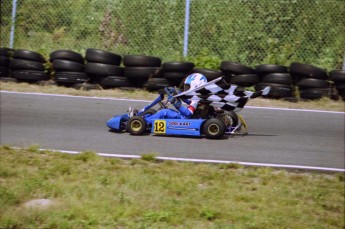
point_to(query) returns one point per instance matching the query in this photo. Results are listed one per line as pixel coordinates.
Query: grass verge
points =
(89, 191)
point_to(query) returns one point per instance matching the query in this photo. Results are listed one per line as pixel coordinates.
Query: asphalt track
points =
(286, 137)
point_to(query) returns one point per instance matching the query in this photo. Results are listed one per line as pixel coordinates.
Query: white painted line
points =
(283, 166)
(139, 100)
(72, 96)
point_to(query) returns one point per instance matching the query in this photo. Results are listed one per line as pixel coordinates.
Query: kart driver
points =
(192, 81)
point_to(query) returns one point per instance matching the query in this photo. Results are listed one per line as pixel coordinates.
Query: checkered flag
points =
(218, 93)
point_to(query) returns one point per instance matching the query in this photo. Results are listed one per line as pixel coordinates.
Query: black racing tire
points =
(158, 73)
(8, 79)
(265, 69)
(69, 78)
(140, 72)
(314, 93)
(307, 83)
(141, 61)
(154, 84)
(214, 128)
(174, 75)
(66, 55)
(340, 86)
(100, 69)
(337, 76)
(342, 94)
(30, 75)
(4, 61)
(28, 55)
(68, 66)
(21, 64)
(306, 70)
(6, 52)
(4, 71)
(234, 117)
(115, 81)
(228, 67)
(277, 90)
(136, 125)
(279, 78)
(245, 80)
(210, 74)
(101, 56)
(230, 118)
(185, 67)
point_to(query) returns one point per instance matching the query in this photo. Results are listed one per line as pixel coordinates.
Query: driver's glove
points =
(175, 102)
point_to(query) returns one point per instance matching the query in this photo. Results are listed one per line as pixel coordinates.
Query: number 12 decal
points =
(159, 126)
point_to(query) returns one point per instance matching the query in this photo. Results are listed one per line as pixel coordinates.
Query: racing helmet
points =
(194, 80)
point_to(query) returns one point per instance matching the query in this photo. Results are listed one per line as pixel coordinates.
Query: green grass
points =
(98, 192)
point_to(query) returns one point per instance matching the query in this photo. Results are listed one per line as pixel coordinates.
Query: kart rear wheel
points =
(230, 118)
(137, 125)
(214, 128)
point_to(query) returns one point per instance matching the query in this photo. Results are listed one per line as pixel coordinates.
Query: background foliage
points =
(250, 32)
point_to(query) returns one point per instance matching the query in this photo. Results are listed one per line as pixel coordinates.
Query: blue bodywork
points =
(186, 127)
(183, 127)
(115, 123)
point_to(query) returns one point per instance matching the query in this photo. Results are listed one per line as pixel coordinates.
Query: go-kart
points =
(209, 121)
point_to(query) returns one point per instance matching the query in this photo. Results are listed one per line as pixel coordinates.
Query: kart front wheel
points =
(137, 125)
(214, 128)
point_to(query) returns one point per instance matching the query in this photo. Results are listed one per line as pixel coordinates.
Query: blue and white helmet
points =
(194, 80)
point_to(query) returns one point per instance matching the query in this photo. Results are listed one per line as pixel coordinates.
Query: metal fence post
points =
(14, 9)
(186, 28)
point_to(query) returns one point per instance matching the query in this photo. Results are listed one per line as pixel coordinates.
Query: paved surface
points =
(287, 137)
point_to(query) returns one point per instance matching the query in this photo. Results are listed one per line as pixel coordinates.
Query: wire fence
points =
(247, 31)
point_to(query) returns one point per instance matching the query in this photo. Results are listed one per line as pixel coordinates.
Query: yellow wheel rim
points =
(136, 125)
(213, 129)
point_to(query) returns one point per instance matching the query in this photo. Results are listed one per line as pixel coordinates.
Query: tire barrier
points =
(175, 72)
(68, 67)
(5, 57)
(28, 66)
(338, 79)
(107, 70)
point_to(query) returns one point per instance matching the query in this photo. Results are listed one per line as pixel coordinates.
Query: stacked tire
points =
(175, 71)
(140, 68)
(5, 59)
(103, 68)
(210, 74)
(156, 82)
(239, 74)
(28, 66)
(312, 81)
(278, 78)
(338, 78)
(68, 66)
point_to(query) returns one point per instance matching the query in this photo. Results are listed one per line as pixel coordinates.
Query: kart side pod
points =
(211, 128)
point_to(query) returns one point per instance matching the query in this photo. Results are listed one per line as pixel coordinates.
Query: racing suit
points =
(181, 112)
(237, 99)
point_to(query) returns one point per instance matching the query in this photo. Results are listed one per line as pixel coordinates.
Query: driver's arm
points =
(187, 111)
